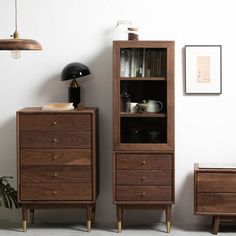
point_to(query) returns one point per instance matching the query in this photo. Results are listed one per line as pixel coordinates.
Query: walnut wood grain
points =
(223, 203)
(55, 174)
(57, 158)
(137, 162)
(144, 177)
(144, 161)
(55, 122)
(56, 191)
(216, 182)
(30, 139)
(74, 157)
(143, 193)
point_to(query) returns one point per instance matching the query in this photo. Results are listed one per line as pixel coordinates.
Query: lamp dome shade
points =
(74, 70)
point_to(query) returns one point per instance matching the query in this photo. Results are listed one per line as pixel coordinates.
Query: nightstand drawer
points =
(55, 139)
(56, 191)
(48, 174)
(81, 157)
(55, 122)
(216, 203)
(143, 161)
(144, 177)
(216, 182)
(143, 193)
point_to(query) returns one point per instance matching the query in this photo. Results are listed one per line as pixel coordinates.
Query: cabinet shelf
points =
(144, 114)
(144, 78)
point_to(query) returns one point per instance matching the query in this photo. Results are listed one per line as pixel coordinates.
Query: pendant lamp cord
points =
(15, 34)
(16, 15)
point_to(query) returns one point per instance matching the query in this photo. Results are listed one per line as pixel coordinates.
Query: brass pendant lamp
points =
(16, 44)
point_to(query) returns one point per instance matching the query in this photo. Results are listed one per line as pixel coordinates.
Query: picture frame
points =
(203, 69)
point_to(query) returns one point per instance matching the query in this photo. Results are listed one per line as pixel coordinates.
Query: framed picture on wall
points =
(203, 69)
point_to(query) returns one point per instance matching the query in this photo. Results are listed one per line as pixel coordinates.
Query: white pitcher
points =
(154, 106)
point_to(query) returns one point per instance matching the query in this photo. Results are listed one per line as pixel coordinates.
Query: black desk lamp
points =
(72, 72)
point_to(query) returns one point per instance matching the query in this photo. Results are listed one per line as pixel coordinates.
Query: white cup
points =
(131, 106)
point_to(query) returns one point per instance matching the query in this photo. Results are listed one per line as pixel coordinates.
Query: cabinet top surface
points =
(141, 43)
(74, 111)
(216, 167)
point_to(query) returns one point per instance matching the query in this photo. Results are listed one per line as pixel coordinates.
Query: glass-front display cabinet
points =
(143, 126)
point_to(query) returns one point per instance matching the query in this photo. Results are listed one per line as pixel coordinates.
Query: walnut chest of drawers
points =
(215, 193)
(57, 157)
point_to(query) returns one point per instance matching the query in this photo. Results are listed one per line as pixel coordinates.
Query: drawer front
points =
(216, 203)
(55, 139)
(143, 193)
(55, 122)
(143, 161)
(81, 157)
(144, 177)
(56, 191)
(55, 174)
(216, 182)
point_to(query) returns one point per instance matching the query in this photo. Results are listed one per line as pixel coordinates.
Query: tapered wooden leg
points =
(24, 218)
(213, 220)
(32, 216)
(119, 212)
(93, 213)
(168, 218)
(216, 224)
(89, 217)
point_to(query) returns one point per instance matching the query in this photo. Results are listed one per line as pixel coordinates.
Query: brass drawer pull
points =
(54, 140)
(55, 174)
(143, 163)
(54, 123)
(55, 192)
(55, 157)
(143, 178)
(143, 194)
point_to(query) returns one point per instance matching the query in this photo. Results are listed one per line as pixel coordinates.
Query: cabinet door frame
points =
(169, 145)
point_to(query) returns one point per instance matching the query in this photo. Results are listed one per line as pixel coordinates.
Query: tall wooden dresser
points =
(57, 160)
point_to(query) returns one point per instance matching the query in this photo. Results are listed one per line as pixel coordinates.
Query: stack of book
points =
(58, 106)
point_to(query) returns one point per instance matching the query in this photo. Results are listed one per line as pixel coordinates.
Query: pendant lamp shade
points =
(17, 44)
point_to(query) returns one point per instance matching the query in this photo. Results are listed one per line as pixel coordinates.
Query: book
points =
(58, 106)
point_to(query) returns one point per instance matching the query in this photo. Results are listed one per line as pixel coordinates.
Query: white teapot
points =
(154, 106)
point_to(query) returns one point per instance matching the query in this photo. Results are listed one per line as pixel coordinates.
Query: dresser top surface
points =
(220, 167)
(74, 111)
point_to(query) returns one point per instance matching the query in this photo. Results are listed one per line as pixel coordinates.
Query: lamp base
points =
(74, 93)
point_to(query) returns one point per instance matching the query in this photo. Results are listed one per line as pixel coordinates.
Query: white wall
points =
(76, 30)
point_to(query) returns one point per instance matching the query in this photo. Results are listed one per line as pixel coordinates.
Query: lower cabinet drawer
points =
(144, 193)
(56, 191)
(128, 161)
(144, 177)
(216, 182)
(216, 203)
(49, 174)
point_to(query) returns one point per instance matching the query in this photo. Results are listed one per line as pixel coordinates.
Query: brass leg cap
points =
(24, 226)
(89, 225)
(168, 226)
(119, 226)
